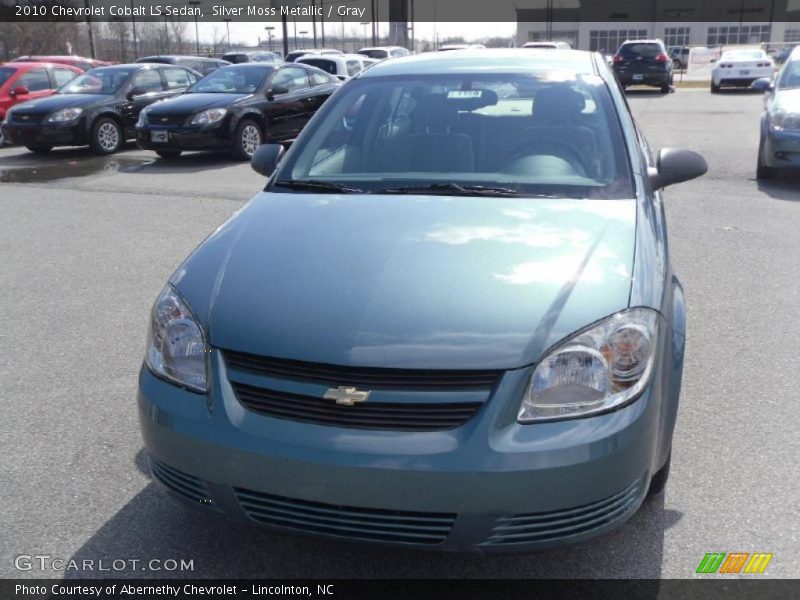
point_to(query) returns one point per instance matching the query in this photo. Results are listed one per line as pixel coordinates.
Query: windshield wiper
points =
(318, 186)
(454, 189)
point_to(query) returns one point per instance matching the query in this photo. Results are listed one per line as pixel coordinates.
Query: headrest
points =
(557, 105)
(434, 114)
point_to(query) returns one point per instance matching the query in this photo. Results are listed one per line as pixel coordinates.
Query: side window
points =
(318, 78)
(177, 78)
(291, 78)
(148, 81)
(35, 80)
(63, 76)
(353, 67)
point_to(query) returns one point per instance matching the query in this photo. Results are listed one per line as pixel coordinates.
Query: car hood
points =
(59, 101)
(410, 281)
(190, 103)
(788, 100)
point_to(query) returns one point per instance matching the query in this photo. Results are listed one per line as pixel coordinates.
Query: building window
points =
(738, 34)
(608, 41)
(791, 35)
(571, 37)
(676, 36)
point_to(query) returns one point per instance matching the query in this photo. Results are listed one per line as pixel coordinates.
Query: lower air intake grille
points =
(546, 526)
(351, 522)
(369, 415)
(188, 486)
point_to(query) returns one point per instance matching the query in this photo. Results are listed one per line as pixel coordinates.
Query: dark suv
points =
(643, 62)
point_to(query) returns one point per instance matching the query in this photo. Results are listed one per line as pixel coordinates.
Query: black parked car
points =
(236, 108)
(98, 108)
(236, 58)
(644, 62)
(202, 65)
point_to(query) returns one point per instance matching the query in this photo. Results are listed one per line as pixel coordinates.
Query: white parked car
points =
(383, 52)
(740, 68)
(295, 54)
(343, 66)
(448, 47)
(548, 45)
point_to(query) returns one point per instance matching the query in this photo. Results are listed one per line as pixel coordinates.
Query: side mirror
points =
(276, 91)
(266, 158)
(675, 166)
(19, 91)
(135, 92)
(764, 84)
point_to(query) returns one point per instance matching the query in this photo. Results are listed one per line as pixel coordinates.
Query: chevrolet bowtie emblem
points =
(346, 396)
(164, 119)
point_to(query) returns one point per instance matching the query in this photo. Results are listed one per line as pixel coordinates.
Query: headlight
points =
(64, 115)
(782, 120)
(209, 116)
(176, 349)
(594, 371)
(142, 120)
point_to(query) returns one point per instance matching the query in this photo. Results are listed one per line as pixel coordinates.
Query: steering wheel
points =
(563, 150)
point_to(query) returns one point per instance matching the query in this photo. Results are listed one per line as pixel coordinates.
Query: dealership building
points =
(603, 26)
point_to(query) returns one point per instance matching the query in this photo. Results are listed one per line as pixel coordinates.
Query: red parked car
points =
(23, 81)
(84, 64)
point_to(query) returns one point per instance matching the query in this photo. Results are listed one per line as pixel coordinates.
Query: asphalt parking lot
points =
(86, 244)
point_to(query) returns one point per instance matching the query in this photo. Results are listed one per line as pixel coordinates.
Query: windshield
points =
(374, 53)
(102, 81)
(232, 80)
(528, 134)
(743, 55)
(790, 76)
(5, 74)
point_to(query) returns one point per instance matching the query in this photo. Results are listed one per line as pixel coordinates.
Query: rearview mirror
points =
(675, 166)
(137, 91)
(266, 158)
(763, 84)
(276, 91)
(20, 91)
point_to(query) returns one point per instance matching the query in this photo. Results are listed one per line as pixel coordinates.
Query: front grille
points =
(184, 485)
(546, 526)
(369, 415)
(156, 120)
(28, 118)
(369, 377)
(370, 524)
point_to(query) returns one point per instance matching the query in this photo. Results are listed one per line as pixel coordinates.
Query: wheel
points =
(168, 153)
(665, 88)
(106, 136)
(659, 480)
(2, 138)
(246, 140)
(762, 170)
(39, 149)
(714, 87)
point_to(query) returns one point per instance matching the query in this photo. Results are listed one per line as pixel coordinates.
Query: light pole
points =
(196, 29)
(366, 42)
(302, 38)
(135, 44)
(269, 29)
(228, 30)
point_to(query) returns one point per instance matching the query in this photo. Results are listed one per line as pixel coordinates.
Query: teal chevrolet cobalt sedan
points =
(449, 321)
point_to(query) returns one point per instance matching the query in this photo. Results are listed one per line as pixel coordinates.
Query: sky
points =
(249, 32)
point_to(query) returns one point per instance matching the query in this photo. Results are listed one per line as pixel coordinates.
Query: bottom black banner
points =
(182, 589)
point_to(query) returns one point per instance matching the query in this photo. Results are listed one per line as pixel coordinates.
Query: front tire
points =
(168, 154)
(39, 149)
(659, 480)
(763, 171)
(246, 140)
(714, 87)
(106, 136)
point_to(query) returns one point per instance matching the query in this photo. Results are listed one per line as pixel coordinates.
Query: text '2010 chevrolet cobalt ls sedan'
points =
(448, 321)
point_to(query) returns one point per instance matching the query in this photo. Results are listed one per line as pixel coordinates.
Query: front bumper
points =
(38, 134)
(781, 149)
(212, 137)
(489, 485)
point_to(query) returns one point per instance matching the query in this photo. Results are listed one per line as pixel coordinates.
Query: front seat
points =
(432, 145)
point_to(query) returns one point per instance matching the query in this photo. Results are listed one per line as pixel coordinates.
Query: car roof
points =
(503, 60)
(642, 42)
(37, 63)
